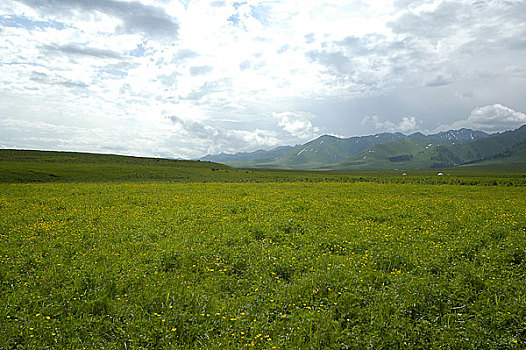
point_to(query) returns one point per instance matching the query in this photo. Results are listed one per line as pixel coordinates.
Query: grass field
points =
(68, 167)
(355, 265)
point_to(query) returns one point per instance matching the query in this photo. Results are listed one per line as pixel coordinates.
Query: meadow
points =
(265, 264)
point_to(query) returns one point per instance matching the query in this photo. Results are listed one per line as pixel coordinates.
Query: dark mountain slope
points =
(417, 152)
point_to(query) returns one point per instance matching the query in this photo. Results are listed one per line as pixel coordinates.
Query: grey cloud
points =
(359, 46)
(309, 38)
(432, 24)
(136, 17)
(118, 70)
(184, 54)
(514, 10)
(200, 70)
(209, 88)
(245, 65)
(373, 44)
(71, 84)
(516, 71)
(43, 78)
(451, 18)
(333, 60)
(195, 128)
(77, 50)
(283, 48)
(404, 4)
(369, 63)
(464, 95)
(168, 79)
(380, 52)
(455, 43)
(350, 41)
(438, 80)
(517, 42)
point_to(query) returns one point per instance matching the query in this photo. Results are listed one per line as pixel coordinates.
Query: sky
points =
(182, 79)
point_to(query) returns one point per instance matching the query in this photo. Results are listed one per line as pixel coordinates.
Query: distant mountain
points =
(421, 152)
(323, 151)
(500, 145)
(328, 152)
(248, 159)
(459, 136)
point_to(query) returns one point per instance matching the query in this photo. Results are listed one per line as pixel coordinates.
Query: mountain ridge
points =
(384, 151)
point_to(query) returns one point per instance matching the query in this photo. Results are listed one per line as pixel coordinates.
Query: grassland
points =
(283, 261)
(67, 167)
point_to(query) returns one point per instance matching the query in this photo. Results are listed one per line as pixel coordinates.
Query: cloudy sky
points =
(190, 77)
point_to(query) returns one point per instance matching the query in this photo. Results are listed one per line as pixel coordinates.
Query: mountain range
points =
(388, 151)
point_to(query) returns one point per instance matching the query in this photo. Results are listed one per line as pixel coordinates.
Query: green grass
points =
(112, 252)
(263, 265)
(66, 167)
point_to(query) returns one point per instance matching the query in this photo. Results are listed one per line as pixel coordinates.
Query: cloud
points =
(24, 22)
(78, 50)
(201, 70)
(334, 61)
(250, 65)
(43, 78)
(207, 89)
(136, 17)
(217, 4)
(130, 63)
(283, 48)
(57, 136)
(297, 124)
(436, 23)
(439, 80)
(185, 54)
(207, 139)
(406, 125)
(491, 118)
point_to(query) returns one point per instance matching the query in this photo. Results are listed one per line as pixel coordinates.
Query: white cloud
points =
(491, 118)
(135, 16)
(297, 124)
(406, 125)
(234, 68)
(206, 139)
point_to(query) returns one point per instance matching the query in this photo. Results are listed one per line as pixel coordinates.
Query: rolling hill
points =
(47, 166)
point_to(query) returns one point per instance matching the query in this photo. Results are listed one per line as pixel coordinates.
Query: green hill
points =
(323, 151)
(354, 153)
(46, 166)
(501, 145)
(418, 152)
(398, 154)
(20, 166)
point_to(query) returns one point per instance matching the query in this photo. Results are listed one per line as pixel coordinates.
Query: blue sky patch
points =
(29, 24)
